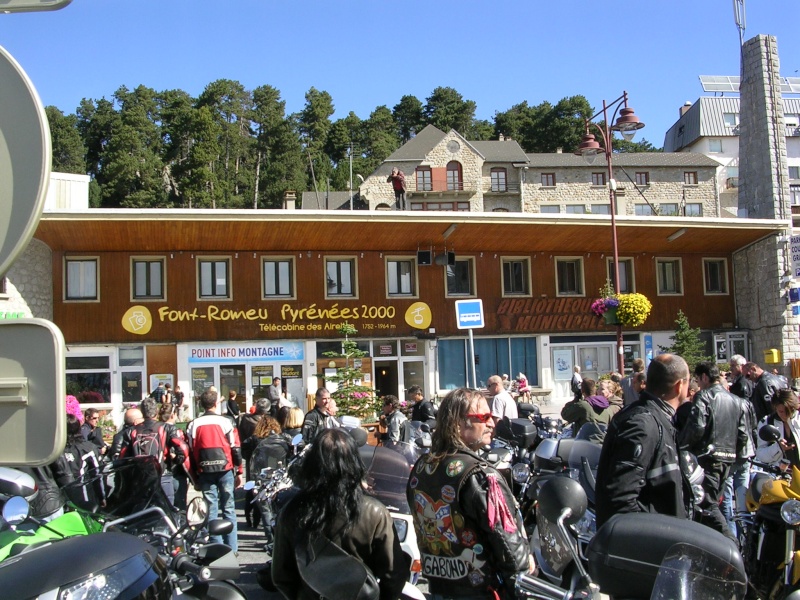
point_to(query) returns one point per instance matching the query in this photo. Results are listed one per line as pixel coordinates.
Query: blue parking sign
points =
(469, 314)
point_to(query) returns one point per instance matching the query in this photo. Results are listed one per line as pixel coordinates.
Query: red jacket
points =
(214, 444)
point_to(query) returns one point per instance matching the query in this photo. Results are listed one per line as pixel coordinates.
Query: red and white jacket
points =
(214, 444)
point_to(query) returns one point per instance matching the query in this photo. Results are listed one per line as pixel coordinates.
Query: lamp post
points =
(627, 124)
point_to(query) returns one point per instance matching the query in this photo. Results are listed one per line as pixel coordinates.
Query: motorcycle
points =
(637, 555)
(771, 548)
(136, 546)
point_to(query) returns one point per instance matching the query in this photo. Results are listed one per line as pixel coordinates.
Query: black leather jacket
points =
(639, 468)
(312, 424)
(765, 389)
(371, 539)
(716, 419)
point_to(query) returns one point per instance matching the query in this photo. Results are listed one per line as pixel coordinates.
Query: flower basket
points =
(633, 309)
(610, 316)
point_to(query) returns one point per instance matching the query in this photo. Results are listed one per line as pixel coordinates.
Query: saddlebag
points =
(626, 552)
(524, 432)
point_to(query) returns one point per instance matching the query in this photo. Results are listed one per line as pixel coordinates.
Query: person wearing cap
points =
(274, 395)
(247, 421)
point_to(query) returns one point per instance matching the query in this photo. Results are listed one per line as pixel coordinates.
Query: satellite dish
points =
(24, 159)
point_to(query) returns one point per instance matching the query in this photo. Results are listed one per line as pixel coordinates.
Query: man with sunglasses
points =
(471, 539)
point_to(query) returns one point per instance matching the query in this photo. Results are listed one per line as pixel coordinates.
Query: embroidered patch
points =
(448, 493)
(420, 466)
(468, 537)
(413, 483)
(475, 578)
(478, 548)
(430, 468)
(454, 468)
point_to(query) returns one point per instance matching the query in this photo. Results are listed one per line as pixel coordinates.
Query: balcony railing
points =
(508, 188)
(448, 188)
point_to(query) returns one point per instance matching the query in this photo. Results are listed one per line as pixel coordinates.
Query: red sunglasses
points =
(483, 418)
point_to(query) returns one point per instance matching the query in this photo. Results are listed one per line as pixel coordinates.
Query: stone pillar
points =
(763, 190)
(30, 283)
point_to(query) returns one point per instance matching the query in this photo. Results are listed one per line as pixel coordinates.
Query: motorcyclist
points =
(786, 418)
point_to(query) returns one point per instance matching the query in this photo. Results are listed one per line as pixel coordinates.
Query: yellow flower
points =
(633, 309)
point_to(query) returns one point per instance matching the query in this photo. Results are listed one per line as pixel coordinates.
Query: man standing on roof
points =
(398, 181)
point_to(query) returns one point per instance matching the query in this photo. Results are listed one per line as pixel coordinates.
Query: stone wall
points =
(29, 283)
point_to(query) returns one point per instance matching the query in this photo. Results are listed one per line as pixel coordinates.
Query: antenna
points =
(738, 16)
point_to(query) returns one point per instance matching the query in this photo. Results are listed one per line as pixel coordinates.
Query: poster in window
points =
(562, 364)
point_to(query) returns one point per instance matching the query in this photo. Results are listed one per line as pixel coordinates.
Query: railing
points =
(508, 188)
(449, 188)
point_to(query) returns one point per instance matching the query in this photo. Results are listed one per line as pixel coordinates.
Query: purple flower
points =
(611, 303)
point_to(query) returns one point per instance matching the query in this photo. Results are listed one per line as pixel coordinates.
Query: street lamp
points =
(627, 124)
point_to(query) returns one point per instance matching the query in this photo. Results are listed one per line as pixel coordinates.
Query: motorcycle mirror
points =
(197, 512)
(297, 440)
(425, 427)
(220, 527)
(559, 494)
(248, 485)
(769, 433)
(16, 510)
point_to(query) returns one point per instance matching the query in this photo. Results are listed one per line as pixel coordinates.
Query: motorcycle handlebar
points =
(185, 566)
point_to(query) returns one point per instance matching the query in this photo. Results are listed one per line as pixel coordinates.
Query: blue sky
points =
(367, 53)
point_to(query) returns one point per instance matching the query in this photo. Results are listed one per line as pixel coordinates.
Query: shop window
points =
(213, 278)
(626, 282)
(498, 175)
(340, 275)
(81, 279)
(89, 378)
(569, 276)
(401, 277)
(461, 277)
(670, 276)
(516, 276)
(278, 278)
(715, 276)
(492, 356)
(148, 278)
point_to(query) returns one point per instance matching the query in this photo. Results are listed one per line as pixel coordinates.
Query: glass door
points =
(413, 374)
(594, 361)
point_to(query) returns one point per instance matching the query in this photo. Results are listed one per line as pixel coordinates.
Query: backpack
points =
(149, 442)
(269, 452)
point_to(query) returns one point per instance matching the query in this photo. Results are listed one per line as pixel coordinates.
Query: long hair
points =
(330, 481)
(452, 414)
(265, 426)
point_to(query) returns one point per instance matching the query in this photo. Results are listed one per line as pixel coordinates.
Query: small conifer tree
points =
(686, 343)
(351, 398)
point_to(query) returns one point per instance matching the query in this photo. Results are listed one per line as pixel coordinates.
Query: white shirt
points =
(503, 405)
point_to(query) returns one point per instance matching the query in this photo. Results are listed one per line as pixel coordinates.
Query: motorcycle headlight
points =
(401, 526)
(790, 512)
(520, 472)
(109, 583)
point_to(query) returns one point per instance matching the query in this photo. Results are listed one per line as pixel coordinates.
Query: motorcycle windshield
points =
(587, 446)
(688, 572)
(387, 476)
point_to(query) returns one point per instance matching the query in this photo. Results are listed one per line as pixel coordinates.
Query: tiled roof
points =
(624, 159)
(418, 147)
(500, 151)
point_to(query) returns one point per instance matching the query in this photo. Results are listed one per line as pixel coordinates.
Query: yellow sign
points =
(137, 319)
(418, 315)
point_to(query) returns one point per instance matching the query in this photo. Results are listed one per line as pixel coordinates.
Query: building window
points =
(668, 209)
(516, 277)
(690, 177)
(214, 278)
(794, 172)
(693, 209)
(454, 181)
(600, 209)
(730, 119)
(791, 120)
(643, 210)
(715, 275)
(278, 278)
(794, 194)
(626, 280)
(455, 206)
(81, 279)
(642, 178)
(424, 181)
(498, 175)
(548, 180)
(147, 279)
(460, 277)
(575, 209)
(549, 208)
(340, 278)
(598, 178)
(569, 277)
(715, 146)
(670, 276)
(401, 277)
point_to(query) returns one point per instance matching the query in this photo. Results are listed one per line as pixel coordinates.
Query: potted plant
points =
(607, 304)
(630, 310)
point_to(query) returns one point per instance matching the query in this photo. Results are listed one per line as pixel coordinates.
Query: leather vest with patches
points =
(448, 540)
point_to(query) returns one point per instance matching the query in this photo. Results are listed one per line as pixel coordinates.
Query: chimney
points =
(559, 150)
(289, 200)
(501, 138)
(686, 106)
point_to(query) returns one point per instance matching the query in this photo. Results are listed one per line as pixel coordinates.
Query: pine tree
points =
(351, 398)
(686, 343)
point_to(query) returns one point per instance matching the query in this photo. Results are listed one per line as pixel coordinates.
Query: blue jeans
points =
(739, 477)
(217, 489)
(181, 484)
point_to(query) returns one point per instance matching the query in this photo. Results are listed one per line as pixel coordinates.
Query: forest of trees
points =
(235, 148)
